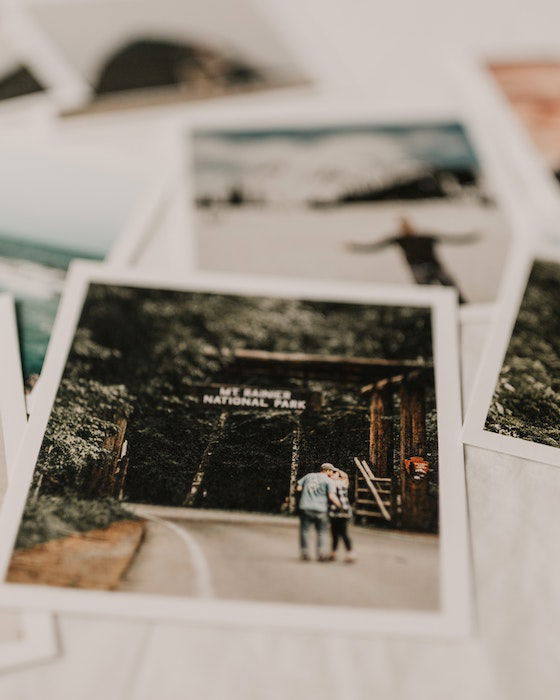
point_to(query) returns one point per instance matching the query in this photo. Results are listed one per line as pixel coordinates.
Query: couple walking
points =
(324, 499)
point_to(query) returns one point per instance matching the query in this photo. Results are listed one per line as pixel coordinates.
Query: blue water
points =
(34, 273)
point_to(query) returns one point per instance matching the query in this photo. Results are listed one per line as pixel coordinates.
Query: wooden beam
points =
(384, 512)
(418, 419)
(381, 433)
(103, 476)
(215, 438)
(310, 359)
(294, 467)
(386, 382)
(417, 505)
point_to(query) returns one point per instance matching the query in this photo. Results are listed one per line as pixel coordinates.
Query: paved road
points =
(258, 561)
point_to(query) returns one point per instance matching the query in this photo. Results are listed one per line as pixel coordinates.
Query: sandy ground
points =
(259, 562)
(96, 559)
(308, 242)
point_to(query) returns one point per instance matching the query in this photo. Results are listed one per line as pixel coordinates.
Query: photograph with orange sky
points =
(533, 90)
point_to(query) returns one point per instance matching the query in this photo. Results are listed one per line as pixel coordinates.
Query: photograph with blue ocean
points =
(75, 214)
(34, 273)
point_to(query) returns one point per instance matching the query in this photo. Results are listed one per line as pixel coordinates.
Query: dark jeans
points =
(313, 519)
(433, 273)
(339, 531)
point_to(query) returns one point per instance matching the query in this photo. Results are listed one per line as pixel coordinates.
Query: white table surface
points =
(514, 512)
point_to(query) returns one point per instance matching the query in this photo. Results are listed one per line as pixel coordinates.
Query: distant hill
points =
(50, 256)
(20, 81)
(150, 63)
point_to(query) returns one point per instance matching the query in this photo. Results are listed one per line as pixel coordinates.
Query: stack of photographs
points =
(273, 437)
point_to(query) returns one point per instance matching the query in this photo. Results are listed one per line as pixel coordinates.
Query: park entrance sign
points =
(231, 397)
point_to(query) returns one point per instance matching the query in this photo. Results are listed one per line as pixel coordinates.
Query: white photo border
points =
(454, 618)
(17, 106)
(12, 402)
(37, 641)
(331, 111)
(142, 221)
(62, 84)
(490, 367)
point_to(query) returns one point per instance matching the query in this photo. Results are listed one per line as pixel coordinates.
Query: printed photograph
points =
(526, 401)
(533, 91)
(145, 52)
(75, 213)
(397, 203)
(225, 446)
(16, 78)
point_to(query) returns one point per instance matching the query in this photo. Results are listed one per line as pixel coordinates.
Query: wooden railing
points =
(376, 487)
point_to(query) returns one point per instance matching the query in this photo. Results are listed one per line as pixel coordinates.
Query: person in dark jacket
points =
(420, 252)
(340, 515)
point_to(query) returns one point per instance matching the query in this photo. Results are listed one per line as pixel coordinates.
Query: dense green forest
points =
(526, 402)
(137, 354)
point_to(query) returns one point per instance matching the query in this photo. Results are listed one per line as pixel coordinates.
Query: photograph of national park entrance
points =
(195, 437)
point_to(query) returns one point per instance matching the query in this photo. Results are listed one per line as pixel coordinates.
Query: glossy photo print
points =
(255, 447)
(407, 201)
(124, 54)
(515, 407)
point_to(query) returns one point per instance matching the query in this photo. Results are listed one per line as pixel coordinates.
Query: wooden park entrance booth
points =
(390, 472)
(391, 476)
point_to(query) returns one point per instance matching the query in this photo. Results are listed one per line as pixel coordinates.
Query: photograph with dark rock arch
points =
(147, 53)
(294, 441)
